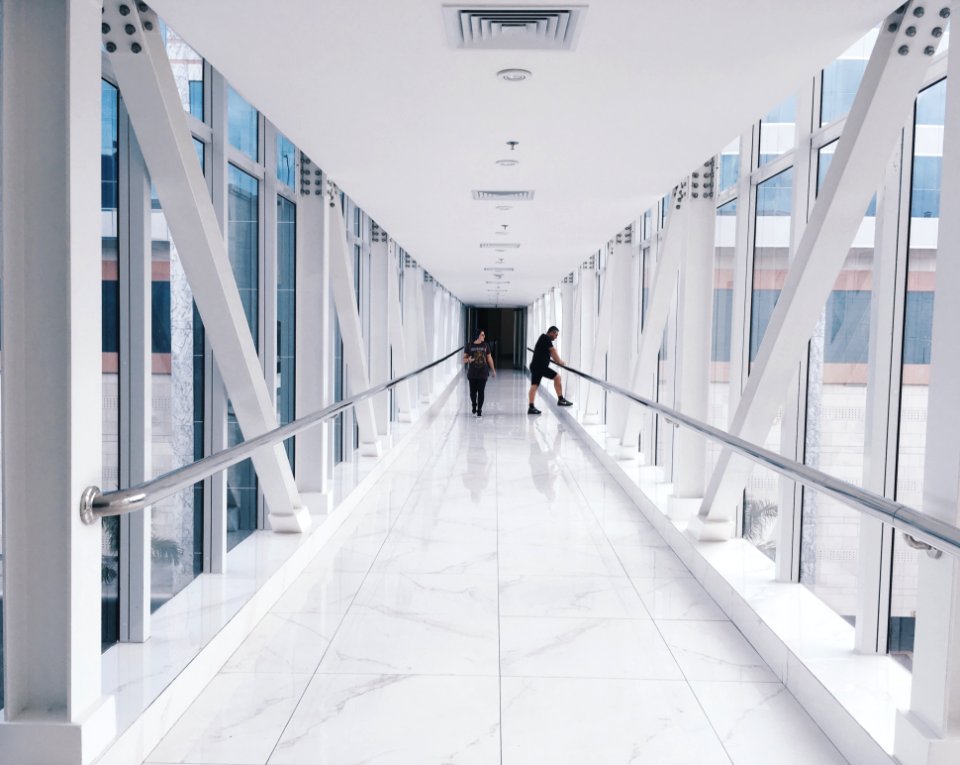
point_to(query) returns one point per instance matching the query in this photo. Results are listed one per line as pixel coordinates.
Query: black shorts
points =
(537, 374)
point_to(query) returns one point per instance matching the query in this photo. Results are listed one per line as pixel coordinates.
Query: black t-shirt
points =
(477, 368)
(541, 354)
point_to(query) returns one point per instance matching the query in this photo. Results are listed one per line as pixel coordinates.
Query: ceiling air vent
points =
(499, 245)
(513, 27)
(482, 195)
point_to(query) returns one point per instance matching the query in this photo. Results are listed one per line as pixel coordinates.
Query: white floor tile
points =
(610, 648)
(285, 643)
(395, 719)
(566, 596)
(237, 719)
(714, 650)
(755, 720)
(576, 722)
(680, 598)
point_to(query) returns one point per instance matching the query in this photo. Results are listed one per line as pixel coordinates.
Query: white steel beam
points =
(890, 82)
(587, 294)
(150, 93)
(660, 299)
(354, 353)
(53, 710)
(929, 734)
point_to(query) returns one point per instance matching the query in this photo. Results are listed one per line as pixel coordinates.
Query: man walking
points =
(543, 354)
(479, 363)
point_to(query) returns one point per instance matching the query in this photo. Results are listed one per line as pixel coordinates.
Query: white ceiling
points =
(407, 126)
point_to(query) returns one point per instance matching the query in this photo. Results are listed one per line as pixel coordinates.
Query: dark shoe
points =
(474, 410)
(533, 410)
(479, 413)
(564, 402)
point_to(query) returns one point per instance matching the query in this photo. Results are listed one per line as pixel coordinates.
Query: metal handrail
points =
(923, 531)
(95, 504)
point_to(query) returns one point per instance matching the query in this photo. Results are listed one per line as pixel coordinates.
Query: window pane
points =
(724, 253)
(110, 356)
(836, 414)
(243, 236)
(178, 422)
(286, 314)
(842, 79)
(242, 124)
(777, 130)
(337, 392)
(187, 66)
(917, 328)
(286, 161)
(771, 252)
(729, 166)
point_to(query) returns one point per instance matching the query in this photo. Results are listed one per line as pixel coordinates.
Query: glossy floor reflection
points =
(495, 599)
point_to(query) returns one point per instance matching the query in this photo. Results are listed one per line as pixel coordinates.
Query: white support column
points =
(429, 297)
(420, 330)
(354, 353)
(53, 711)
(875, 551)
(588, 334)
(929, 733)
(694, 315)
(380, 265)
(153, 102)
(593, 395)
(575, 332)
(315, 347)
(136, 378)
(660, 298)
(622, 327)
(398, 345)
(889, 86)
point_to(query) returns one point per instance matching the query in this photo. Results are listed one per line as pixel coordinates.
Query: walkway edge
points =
(837, 721)
(137, 738)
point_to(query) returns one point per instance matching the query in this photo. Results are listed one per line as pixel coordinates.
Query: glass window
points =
(729, 166)
(777, 130)
(243, 243)
(286, 314)
(842, 79)
(286, 161)
(110, 356)
(824, 158)
(187, 66)
(771, 251)
(771, 256)
(725, 234)
(915, 371)
(836, 414)
(242, 124)
(178, 414)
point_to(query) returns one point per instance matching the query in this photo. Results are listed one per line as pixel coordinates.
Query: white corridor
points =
(496, 598)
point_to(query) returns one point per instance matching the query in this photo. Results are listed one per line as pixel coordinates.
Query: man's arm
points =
(490, 364)
(555, 357)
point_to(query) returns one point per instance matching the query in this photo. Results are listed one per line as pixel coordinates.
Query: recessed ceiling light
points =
(508, 163)
(514, 75)
(504, 207)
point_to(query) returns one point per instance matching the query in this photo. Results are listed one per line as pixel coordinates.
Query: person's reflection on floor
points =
(479, 463)
(544, 467)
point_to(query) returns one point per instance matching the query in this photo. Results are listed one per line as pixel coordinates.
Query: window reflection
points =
(841, 79)
(724, 253)
(242, 124)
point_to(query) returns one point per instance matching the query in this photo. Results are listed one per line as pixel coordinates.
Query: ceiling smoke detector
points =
(508, 162)
(504, 207)
(514, 75)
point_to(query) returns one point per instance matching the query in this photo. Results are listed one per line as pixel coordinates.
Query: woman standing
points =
(479, 366)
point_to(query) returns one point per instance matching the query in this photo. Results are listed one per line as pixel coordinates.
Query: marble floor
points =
(496, 598)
